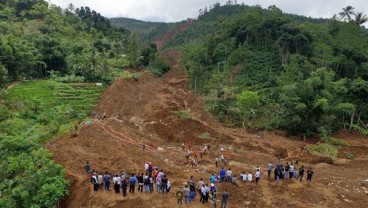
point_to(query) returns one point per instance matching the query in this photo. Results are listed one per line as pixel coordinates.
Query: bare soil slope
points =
(148, 110)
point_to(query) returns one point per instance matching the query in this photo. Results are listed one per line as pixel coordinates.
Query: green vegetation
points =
(145, 30)
(263, 69)
(32, 113)
(205, 135)
(184, 114)
(325, 150)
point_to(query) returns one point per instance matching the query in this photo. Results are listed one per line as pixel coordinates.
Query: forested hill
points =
(263, 69)
(145, 30)
(37, 37)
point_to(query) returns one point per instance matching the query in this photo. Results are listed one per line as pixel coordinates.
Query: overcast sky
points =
(177, 10)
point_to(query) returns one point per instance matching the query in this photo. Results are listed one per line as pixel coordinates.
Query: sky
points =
(177, 10)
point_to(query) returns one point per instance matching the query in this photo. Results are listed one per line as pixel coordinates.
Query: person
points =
(229, 174)
(100, 181)
(150, 168)
(222, 175)
(143, 146)
(309, 174)
(124, 186)
(225, 198)
(243, 176)
(301, 173)
(234, 179)
(168, 186)
(216, 161)
(214, 198)
(212, 178)
(199, 185)
(291, 170)
(87, 167)
(151, 184)
(287, 169)
(186, 192)
(207, 193)
(191, 184)
(116, 180)
(277, 174)
(192, 195)
(94, 114)
(269, 169)
(103, 116)
(158, 183)
(249, 177)
(203, 194)
(140, 182)
(222, 150)
(107, 179)
(179, 196)
(146, 183)
(183, 146)
(132, 182)
(257, 174)
(164, 184)
(213, 187)
(95, 182)
(222, 157)
(146, 167)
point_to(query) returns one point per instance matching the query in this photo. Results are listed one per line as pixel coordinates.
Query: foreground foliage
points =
(32, 113)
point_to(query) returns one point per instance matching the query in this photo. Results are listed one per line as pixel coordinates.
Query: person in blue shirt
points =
(213, 178)
(107, 179)
(222, 174)
(132, 182)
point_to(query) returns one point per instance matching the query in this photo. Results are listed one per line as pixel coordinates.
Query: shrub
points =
(183, 114)
(326, 150)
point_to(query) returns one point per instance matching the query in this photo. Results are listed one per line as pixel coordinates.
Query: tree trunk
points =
(351, 121)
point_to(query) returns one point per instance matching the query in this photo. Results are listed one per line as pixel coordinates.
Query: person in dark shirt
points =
(164, 183)
(124, 186)
(132, 182)
(309, 174)
(301, 173)
(87, 167)
(225, 198)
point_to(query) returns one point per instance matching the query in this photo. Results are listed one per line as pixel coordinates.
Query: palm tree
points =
(346, 13)
(360, 18)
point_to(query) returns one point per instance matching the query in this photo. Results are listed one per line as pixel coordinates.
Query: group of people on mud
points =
(289, 171)
(144, 181)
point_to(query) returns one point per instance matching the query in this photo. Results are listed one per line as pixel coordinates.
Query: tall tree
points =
(346, 13)
(360, 18)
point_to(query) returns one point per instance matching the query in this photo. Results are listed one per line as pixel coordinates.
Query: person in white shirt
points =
(116, 180)
(249, 177)
(257, 175)
(229, 174)
(243, 176)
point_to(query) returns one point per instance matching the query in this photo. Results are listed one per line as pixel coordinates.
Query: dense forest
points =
(263, 69)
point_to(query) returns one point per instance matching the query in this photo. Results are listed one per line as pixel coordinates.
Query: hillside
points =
(145, 30)
(163, 114)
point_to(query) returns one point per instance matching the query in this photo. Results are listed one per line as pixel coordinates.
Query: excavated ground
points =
(143, 111)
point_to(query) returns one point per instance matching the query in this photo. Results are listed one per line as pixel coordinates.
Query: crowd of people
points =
(153, 179)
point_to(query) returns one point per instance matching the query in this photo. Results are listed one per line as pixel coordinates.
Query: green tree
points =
(247, 102)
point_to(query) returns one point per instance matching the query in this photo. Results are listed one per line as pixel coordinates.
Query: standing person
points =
(158, 183)
(207, 191)
(116, 180)
(203, 194)
(124, 186)
(269, 169)
(214, 198)
(179, 196)
(301, 173)
(186, 192)
(87, 167)
(191, 184)
(229, 175)
(140, 182)
(168, 186)
(222, 174)
(257, 175)
(287, 169)
(199, 185)
(225, 198)
(94, 182)
(146, 182)
(216, 161)
(309, 174)
(132, 182)
(100, 181)
(151, 184)
(212, 178)
(291, 171)
(107, 179)
(164, 184)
